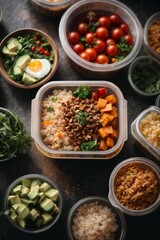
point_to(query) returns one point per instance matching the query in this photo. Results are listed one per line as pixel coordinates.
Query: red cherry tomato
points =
(73, 37)
(33, 48)
(102, 59)
(128, 38)
(104, 21)
(95, 96)
(83, 28)
(99, 46)
(111, 50)
(102, 92)
(102, 33)
(110, 41)
(89, 37)
(85, 56)
(124, 27)
(117, 33)
(41, 50)
(92, 53)
(115, 19)
(38, 42)
(46, 52)
(78, 48)
(35, 38)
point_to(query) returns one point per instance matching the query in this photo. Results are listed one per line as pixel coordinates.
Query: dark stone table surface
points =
(77, 178)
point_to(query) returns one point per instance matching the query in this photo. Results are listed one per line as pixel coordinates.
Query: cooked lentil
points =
(154, 36)
(150, 128)
(136, 186)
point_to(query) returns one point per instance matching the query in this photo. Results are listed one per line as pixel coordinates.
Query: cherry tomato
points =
(41, 50)
(102, 59)
(46, 52)
(92, 53)
(33, 48)
(111, 50)
(73, 37)
(78, 48)
(110, 41)
(85, 56)
(128, 38)
(99, 46)
(117, 33)
(104, 21)
(35, 38)
(102, 33)
(38, 42)
(95, 96)
(102, 92)
(124, 27)
(91, 16)
(83, 28)
(89, 37)
(115, 19)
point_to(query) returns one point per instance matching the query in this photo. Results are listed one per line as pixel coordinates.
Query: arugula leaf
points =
(89, 146)
(82, 92)
(82, 117)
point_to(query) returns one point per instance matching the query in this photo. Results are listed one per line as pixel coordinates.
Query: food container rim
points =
(44, 178)
(54, 4)
(112, 196)
(36, 106)
(89, 65)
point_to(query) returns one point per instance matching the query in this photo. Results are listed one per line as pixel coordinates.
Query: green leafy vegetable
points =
(89, 146)
(82, 92)
(82, 117)
(13, 136)
(123, 49)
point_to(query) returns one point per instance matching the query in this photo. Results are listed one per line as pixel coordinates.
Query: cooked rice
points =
(94, 221)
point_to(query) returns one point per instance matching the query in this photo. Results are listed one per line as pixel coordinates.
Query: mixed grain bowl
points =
(75, 119)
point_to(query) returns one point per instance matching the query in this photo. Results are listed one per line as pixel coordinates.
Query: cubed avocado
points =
(55, 209)
(23, 211)
(24, 191)
(16, 43)
(46, 218)
(36, 182)
(28, 79)
(47, 204)
(6, 51)
(52, 194)
(41, 196)
(15, 206)
(13, 199)
(22, 223)
(17, 189)
(45, 186)
(12, 47)
(33, 193)
(13, 216)
(23, 61)
(26, 182)
(34, 214)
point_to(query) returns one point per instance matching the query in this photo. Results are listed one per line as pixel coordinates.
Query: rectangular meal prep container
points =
(149, 149)
(36, 116)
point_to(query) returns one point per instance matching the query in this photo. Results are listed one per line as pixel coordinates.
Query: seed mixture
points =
(150, 128)
(154, 36)
(94, 221)
(136, 186)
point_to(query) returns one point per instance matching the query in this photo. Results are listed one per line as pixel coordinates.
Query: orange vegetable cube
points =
(109, 130)
(110, 142)
(111, 99)
(104, 120)
(101, 103)
(115, 134)
(114, 113)
(109, 116)
(107, 108)
(102, 132)
(102, 145)
(114, 123)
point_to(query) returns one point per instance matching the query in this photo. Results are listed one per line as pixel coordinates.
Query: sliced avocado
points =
(17, 71)
(45, 186)
(47, 204)
(12, 47)
(13, 199)
(52, 194)
(23, 61)
(15, 206)
(17, 189)
(26, 182)
(28, 79)
(6, 51)
(46, 218)
(34, 214)
(15, 42)
(23, 211)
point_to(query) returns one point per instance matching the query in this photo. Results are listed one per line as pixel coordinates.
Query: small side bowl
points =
(119, 217)
(23, 32)
(138, 75)
(152, 43)
(59, 203)
(133, 168)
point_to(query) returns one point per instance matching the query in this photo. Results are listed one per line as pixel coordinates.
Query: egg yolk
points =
(35, 66)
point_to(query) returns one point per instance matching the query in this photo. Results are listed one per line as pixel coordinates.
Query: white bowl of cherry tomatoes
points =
(100, 37)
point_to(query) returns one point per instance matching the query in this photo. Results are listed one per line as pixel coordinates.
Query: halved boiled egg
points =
(38, 68)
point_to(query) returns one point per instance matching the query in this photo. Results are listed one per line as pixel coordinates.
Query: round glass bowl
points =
(13, 133)
(99, 218)
(9, 49)
(134, 186)
(75, 12)
(151, 32)
(18, 203)
(52, 8)
(143, 76)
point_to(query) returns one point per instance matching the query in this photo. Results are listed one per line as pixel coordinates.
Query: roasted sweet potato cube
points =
(101, 103)
(109, 130)
(114, 113)
(115, 134)
(104, 120)
(114, 123)
(102, 145)
(109, 116)
(107, 108)
(102, 132)
(111, 99)
(110, 142)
